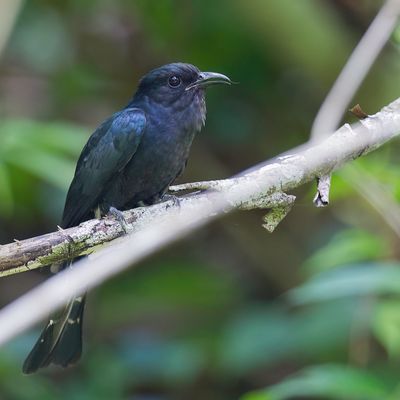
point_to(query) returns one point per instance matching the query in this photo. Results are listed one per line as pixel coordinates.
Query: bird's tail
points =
(61, 340)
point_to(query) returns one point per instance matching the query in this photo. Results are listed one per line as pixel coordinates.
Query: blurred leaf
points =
(380, 165)
(347, 246)
(340, 188)
(151, 358)
(326, 381)
(386, 326)
(6, 195)
(267, 335)
(50, 168)
(169, 287)
(104, 376)
(15, 385)
(53, 136)
(257, 396)
(396, 35)
(356, 280)
(47, 150)
(286, 20)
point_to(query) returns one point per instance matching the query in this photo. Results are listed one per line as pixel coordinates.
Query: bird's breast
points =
(159, 159)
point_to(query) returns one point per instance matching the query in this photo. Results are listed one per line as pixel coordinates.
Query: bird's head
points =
(177, 84)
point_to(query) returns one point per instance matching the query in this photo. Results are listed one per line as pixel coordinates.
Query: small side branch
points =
(321, 198)
(279, 204)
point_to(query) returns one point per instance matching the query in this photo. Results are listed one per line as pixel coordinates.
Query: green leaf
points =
(6, 194)
(257, 396)
(51, 168)
(168, 287)
(355, 280)
(52, 136)
(386, 326)
(348, 246)
(47, 150)
(340, 188)
(265, 336)
(327, 381)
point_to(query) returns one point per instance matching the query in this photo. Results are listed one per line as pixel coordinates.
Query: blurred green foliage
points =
(311, 311)
(329, 381)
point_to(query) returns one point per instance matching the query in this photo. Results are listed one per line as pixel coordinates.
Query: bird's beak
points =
(209, 78)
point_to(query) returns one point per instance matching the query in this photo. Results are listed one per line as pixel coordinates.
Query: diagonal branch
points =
(29, 254)
(170, 224)
(349, 80)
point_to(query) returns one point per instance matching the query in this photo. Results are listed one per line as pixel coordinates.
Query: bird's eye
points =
(174, 81)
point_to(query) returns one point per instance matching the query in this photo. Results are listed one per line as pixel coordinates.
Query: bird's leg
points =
(119, 216)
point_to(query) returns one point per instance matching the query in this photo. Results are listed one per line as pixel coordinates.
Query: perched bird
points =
(130, 160)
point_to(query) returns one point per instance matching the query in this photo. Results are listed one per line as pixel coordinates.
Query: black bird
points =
(130, 160)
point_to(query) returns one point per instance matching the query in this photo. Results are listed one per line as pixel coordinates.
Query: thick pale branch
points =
(165, 225)
(25, 255)
(285, 173)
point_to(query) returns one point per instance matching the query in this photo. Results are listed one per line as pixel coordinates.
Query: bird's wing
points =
(106, 153)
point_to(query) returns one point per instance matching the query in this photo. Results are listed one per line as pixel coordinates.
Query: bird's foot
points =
(176, 201)
(119, 216)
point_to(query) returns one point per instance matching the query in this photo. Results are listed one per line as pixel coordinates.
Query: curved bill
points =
(208, 79)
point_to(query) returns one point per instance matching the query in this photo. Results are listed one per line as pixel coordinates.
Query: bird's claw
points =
(176, 201)
(119, 216)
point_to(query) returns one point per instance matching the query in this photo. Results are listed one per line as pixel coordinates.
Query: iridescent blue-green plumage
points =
(106, 154)
(130, 159)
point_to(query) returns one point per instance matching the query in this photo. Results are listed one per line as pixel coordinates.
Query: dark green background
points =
(312, 310)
